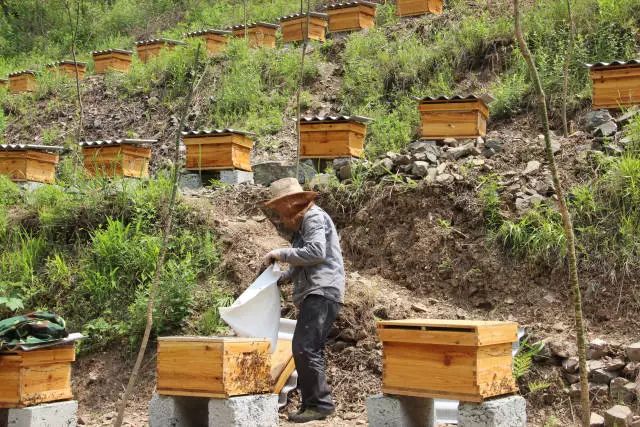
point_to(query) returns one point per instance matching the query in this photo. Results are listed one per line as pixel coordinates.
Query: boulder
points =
(423, 147)
(618, 416)
(631, 370)
(615, 364)
(345, 172)
(382, 167)
(633, 352)
(606, 129)
(420, 168)
(266, 172)
(451, 142)
(595, 390)
(558, 349)
(431, 174)
(593, 119)
(532, 166)
(597, 349)
(571, 365)
(445, 178)
(571, 378)
(462, 151)
(622, 390)
(601, 376)
(596, 420)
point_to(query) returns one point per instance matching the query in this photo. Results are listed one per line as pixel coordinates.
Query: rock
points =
(266, 172)
(624, 119)
(524, 203)
(597, 349)
(631, 370)
(402, 159)
(558, 349)
(432, 158)
(153, 101)
(614, 364)
(345, 172)
(622, 390)
(601, 376)
(419, 308)
(595, 390)
(596, 420)
(593, 119)
(571, 378)
(478, 163)
(556, 147)
(532, 166)
(320, 181)
(390, 154)
(451, 142)
(462, 151)
(382, 167)
(442, 167)
(431, 174)
(606, 129)
(339, 346)
(341, 162)
(445, 178)
(633, 352)
(422, 147)
(420, 168)
(592, 365)
(570, 365)
(618, 416)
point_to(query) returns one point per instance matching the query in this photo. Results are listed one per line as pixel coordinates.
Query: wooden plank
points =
(284, 376)
(463, 107)
(54, 355)
(201, 393)
(48, 383)
(435, 394)
(9, 380)
(418, 7)
(428, 337)
(604, 74)
(450, 323)
(450, 124)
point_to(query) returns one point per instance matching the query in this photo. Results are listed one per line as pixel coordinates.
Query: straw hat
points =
(286, 192)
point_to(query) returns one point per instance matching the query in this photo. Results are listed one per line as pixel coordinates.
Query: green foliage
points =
(9, 191)
(523, 360)
(490, 200)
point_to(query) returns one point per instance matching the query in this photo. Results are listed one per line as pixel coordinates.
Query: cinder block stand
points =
(234, 177)
(251, 411)
(399, 411)
(58, 414)
(510, 411)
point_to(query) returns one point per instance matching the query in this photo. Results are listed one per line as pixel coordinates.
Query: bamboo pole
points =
(300, 82)
(567, 63)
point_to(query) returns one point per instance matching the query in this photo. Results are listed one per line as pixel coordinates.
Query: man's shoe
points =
(309, 415)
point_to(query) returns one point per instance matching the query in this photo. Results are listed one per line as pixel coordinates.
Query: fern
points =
(523, 360)
(536, 386)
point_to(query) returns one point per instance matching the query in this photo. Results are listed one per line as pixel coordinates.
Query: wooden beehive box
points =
(294, 27)
(215, 367)
(260, 34)
(218, 149)
(118, 157)
(215, 40)
(332, 137)
(29, 378)
(36, 163)
(282, 365)
(462, 360)
(22, 81)
(69, 68)
(351, 16)
(456, 117)
(148, 49)
(111, 60)
(418, 7)
(615, 84)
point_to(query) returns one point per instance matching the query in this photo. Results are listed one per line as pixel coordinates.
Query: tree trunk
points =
(301, 81)
(566, 222)
(166, 233)
(74, 36)
(567, 64)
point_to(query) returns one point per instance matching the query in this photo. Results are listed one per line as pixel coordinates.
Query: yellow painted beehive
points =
(464, 360)
(215, 40)
(111, 60)
(351, 16)
(616, 84)
(218, 149)
(332, 137)
(22, 81)
(260, 34)
(69, 68)
(35, 163)
(118, 157)
(418, 7)
(148, 49)
(294, 27)
(455, 117)
(214, 367)
(29, 378)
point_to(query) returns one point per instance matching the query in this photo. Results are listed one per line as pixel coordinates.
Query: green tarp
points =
(33, 329)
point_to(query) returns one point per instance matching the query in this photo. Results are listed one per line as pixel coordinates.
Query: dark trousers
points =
(315, 319)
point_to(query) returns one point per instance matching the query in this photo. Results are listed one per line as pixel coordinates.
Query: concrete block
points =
(260, 410)
(177, 411)
(234, 177)
(30, 186)
(58, 414)
(190, 181)
(399, 411)
(510, 411)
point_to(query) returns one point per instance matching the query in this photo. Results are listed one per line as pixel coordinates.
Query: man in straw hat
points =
(317, 272)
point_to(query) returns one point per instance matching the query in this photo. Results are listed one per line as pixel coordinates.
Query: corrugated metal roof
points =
(350, 4)
(205, 132)
(117, 142)
(160, 40)
(21, 72)
(254, 24)
(66, 62)
(208, 31)
(303, 15)
(449, 98)
(35, 147)
(107, 51)
(318, 119)
(614, 63)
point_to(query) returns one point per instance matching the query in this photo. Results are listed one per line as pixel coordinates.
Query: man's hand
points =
(270, 258)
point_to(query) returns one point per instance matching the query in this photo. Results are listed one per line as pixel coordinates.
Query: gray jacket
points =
(315, 259)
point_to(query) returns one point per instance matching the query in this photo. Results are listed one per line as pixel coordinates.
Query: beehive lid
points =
(108, 51)
(348, 4)
(255, 24)
(614, 64)
(125, 141)
(335, 119)
(208, 31)
(214, 339)
(22, 72)
(66, 62)
(31, 147)
(453, 332)
(304, 15)
(159, 41)
(442, 99)
(215, 132)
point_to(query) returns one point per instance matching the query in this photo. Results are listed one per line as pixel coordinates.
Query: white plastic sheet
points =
(256, 313)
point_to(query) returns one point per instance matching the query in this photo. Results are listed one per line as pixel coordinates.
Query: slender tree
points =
(245, 7)
(74, 38)
(567, 64)
(300, 83)
(566, 220)
(166, 233)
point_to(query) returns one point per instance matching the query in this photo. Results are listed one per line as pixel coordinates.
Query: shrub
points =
(9, 192)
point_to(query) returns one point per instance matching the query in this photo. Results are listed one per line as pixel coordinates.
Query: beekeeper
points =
(317, 272)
